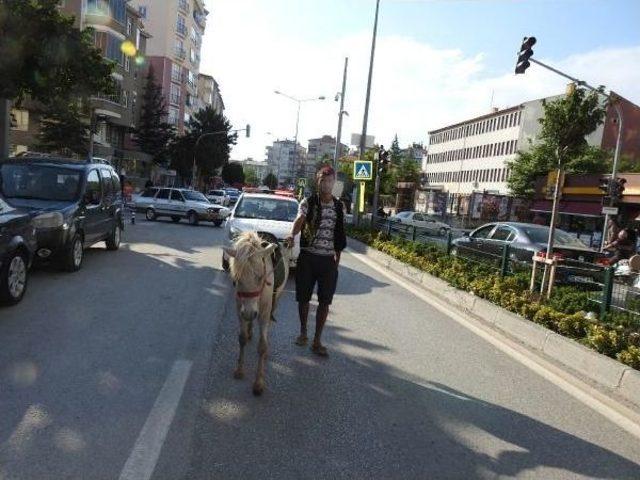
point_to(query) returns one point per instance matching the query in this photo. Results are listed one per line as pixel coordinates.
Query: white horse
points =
(253, 272)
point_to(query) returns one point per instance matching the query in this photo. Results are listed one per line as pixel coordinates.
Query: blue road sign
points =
(362, 170)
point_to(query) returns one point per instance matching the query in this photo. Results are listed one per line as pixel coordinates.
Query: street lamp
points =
(299, 101)
(342, 111)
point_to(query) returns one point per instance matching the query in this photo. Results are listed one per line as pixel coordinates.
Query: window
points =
(503, 233)
(180, 52)
(163, 194)
(192, 55)
(176, 195)
(418, 217)
(93, 189)
(107, 184)
(20, 120)
(176, 73)
(134, 99)
(482, 232)
(129, 26)
(142, 10)
(127, 63)
(172, 118)
(175, 94)
(181, 26)
(125, 98)
(149, 192)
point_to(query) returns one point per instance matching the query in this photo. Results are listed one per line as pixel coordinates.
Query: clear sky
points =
(437, 61)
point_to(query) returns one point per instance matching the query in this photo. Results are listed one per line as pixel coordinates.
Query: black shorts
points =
(316, 268)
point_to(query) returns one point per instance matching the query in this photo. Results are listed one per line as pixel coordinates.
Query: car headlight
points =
(49, 220)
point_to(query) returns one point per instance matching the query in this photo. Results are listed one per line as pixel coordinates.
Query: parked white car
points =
(218, 197)
(178, 203)
(268, 213)
(422, 221)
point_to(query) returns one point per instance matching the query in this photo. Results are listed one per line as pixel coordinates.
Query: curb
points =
(614, 376)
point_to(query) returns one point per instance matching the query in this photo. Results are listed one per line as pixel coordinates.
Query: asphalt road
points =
(124, 370)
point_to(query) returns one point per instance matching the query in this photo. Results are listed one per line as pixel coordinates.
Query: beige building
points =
(209, 93)
(177, 27)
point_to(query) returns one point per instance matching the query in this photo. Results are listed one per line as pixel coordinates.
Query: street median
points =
(619, 379)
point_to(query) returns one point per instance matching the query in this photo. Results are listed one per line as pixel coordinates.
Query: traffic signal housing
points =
(525, 54)
(617, 188)
(604, 184)
(383, 159)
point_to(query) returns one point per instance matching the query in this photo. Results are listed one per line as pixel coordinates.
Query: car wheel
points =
(13, 278)
(218, 223)
(193, 218)
(225, 264)
(175, 219)
(150, 214)
(73, 256)
(442, 232)
(113, 242)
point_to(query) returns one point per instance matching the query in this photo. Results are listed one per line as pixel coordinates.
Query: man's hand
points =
(337, 258)
(289, 241)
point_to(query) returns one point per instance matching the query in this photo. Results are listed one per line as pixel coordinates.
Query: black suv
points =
(74, 204)
(17, 248)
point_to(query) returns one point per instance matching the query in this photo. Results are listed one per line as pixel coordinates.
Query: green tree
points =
(62, 129)
(251, 176)
(562, 142)
(43, 56)
(233, 173)
(271, 181)
(154, 134)
(213, 150)
(395, 153)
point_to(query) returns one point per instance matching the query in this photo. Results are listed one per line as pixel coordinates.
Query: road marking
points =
(144, 456)
(611, 409)
(35, 418)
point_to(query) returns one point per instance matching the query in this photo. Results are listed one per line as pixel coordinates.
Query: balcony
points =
(183, 5)
(180, 53)
(181, 29)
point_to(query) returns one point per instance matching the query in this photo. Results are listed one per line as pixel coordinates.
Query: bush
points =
(630, 356)
(568, 300)
(605, 340)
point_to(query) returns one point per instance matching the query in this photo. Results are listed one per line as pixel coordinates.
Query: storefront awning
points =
(578, 209)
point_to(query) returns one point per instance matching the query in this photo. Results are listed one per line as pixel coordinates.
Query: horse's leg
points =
(242, 340)
(249, 330)
(258, 385)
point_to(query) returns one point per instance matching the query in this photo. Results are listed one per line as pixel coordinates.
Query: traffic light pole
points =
(376, 193)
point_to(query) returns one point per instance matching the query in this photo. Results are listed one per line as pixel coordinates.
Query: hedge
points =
(616, 335)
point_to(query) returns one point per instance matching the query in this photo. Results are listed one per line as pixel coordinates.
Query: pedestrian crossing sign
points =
(362, 170)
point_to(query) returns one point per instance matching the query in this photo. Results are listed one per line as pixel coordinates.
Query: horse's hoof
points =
(258, 390)
(238, 374)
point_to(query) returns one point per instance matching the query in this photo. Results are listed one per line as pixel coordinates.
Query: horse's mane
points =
(246, 245)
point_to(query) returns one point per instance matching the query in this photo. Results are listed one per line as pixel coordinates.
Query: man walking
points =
(321, 221)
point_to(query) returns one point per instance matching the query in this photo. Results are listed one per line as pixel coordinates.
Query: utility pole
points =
(363, 138)
(336, 154)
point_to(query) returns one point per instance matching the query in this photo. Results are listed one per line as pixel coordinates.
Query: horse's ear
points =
(230, 251)
(269, 250)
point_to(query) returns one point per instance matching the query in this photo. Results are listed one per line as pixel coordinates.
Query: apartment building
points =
(209, 93)
(114, 23)
(471, 156)
(285, 158)
(177, 27)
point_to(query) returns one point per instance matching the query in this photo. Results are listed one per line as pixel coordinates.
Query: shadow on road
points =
(355, 416)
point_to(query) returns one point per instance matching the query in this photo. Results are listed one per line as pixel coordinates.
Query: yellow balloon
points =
(128, 48)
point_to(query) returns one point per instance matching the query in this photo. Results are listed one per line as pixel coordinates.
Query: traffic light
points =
(617, 188)
(525, 54)
(248, 130)
(604, 185)
(383, 159)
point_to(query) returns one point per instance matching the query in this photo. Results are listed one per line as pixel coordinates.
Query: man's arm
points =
(295, 230)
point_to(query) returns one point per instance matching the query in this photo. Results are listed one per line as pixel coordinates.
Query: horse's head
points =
(251, 271)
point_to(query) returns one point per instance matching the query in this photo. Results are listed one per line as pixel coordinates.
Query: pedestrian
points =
(321, 224)
(613, 229)
(623, 247)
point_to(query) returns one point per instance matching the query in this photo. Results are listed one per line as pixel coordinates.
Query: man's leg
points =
(304, 289)
(327, 283)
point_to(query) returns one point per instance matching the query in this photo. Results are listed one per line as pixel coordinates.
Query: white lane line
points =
(144, 456)
(614, 411)
(35, 418)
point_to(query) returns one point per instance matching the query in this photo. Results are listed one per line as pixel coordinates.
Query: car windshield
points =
(194, 196)
(403, 214)
(561, 238)
(267, 209)
(40, 182)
